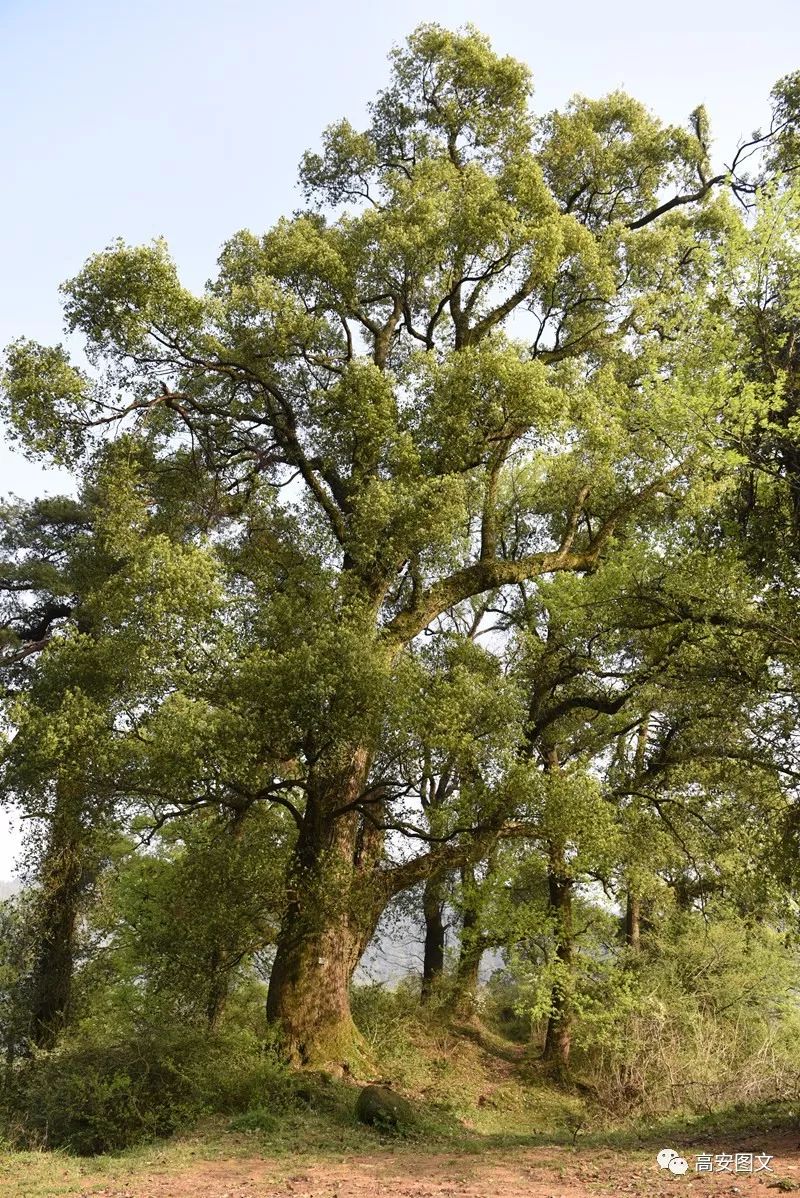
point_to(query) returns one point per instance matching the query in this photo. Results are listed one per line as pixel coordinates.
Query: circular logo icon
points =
(665, 1156)
(678, 1165)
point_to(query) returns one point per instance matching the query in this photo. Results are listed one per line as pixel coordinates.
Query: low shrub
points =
(95, 1097)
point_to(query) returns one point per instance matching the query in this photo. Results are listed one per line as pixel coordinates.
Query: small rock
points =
(379, 1106)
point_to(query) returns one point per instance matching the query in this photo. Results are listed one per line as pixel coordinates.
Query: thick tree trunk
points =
(433, 909)
(558, 1038)
(309, 992)
(333, 909)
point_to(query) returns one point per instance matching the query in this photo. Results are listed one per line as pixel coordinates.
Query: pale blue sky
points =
(187, 117)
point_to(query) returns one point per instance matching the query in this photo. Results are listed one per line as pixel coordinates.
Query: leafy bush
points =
(712, 1020)
(91, 1097)
(706, 1015)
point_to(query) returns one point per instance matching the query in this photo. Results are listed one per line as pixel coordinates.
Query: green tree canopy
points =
(481, 356)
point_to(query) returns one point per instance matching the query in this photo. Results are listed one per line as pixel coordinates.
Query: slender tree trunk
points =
(469, 965)
(223, 956)
(62, 879)
(433, 909)
(633, 920)
(471, 948)
(219, 975)
(558, 1038)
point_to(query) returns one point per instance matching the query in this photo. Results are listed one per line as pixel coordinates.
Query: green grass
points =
(744, 1123)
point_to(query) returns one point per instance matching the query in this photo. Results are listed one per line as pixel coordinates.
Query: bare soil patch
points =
(531, 1173)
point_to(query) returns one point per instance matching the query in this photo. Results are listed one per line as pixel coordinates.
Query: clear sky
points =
(187, 118)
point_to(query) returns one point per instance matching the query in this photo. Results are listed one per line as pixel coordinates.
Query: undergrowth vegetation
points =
(705, 1020)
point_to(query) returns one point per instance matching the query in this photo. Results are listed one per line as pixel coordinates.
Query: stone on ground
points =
(379, 1106)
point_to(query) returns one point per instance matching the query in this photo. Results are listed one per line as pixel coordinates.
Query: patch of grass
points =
(740, 1122)
(464, 1072)
(325, 1129)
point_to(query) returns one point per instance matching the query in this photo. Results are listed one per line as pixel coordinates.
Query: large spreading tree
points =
(479, 357)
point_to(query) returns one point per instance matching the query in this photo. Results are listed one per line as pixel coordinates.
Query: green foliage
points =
(99, 1095)
(705, 1016)
(44, 399)
(182, 928)
(15, 964)
(460, 508)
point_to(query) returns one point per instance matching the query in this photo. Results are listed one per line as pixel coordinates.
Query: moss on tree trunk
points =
(331, 914)
(62, 879)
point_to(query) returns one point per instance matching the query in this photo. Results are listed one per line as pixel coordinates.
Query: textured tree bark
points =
(633, 920)
(332, 912)
(62, 878)
(558, 1038)
(471, 950)
(309, 994)
(435, 932)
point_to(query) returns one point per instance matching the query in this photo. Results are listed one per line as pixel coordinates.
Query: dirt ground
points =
(531, 1173)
